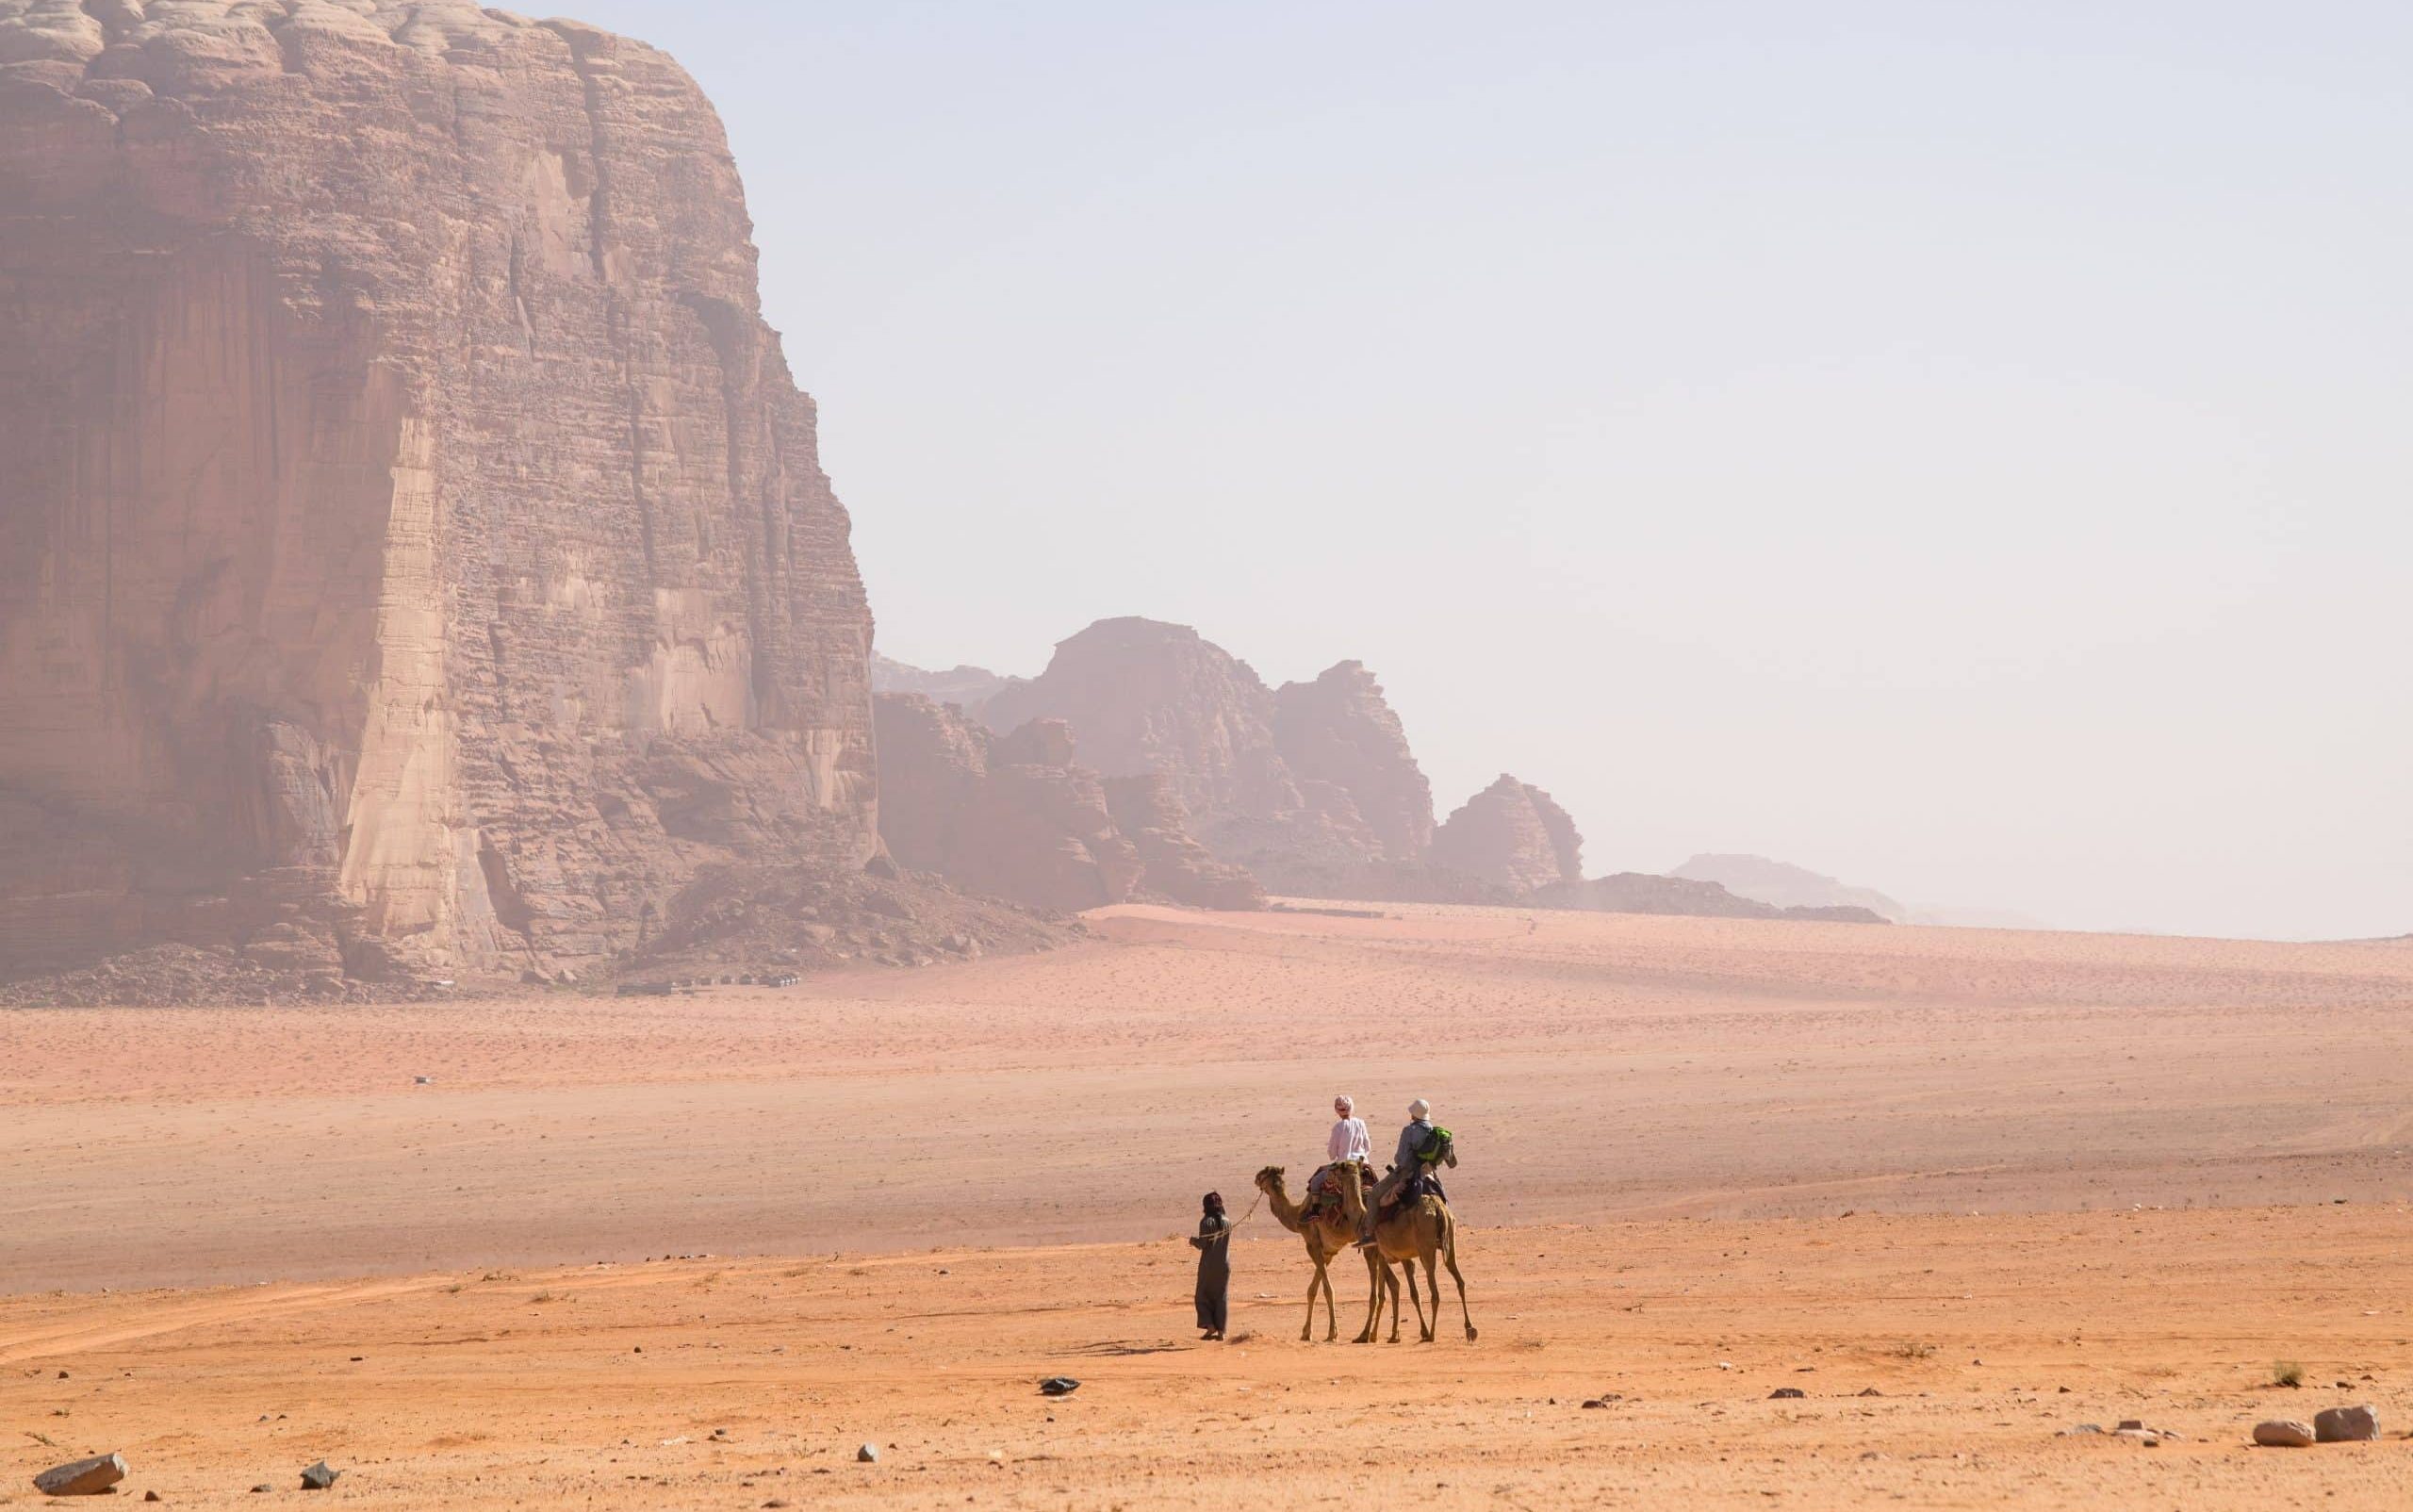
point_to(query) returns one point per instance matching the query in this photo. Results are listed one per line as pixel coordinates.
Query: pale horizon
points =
(1958, 453)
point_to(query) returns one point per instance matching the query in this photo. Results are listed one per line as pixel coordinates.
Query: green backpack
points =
(1429, 1152)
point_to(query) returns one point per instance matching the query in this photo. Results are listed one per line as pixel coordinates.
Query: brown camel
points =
(1330, 1234)
(1422, 1229)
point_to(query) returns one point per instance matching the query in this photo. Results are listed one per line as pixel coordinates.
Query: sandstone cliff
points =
(1312, 790)
(1340, 731)
(1175, 865)
(1008, 816)
(1015, 817)
(414, 548)
(1511, 835)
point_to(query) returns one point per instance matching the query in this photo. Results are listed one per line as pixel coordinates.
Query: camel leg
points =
(1307, 1329)
(1450, 1255)
(1407, 1267)
(1377, 1274)
(1331, 1322)
(1431, 1284)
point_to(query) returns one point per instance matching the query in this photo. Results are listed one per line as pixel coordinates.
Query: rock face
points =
(1149, 696)
(1312, 789)
(415, 553)
(1339, 730)
(1511, 835)
(1008, 816)
(1015, 816)
(1175, 866)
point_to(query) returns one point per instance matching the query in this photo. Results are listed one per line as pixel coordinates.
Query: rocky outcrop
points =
(970, 688)
(1511, 835)
(1340, 731)
(415, 554)
(1146, 696)
(1015, 816)
(1785, 885)
(1007, 815)
(1644, 893)
(1175, 866)
(1282, 784)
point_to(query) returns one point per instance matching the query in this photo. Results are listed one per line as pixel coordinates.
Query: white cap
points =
(1420, 1108)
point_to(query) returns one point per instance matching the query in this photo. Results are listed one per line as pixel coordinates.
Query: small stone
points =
(867, 1455)
(84, 1477)
(319, 1477)
(2088, 1427)
(2284, 1433)
(2127, 1423)
(1059, 1386)
(1870, 1390)
(2345, 1425)
(262, 1486)
(151, 1496)
(1787, 1393)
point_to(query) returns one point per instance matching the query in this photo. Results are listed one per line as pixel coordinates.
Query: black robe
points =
(1213, 1244)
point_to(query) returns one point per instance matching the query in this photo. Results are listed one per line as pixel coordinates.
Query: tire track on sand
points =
(82, 1334)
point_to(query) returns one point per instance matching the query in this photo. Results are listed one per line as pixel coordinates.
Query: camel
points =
(1419, 1230)
(1328, 1236)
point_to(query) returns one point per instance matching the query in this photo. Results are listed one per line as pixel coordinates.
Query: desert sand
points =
(1703, 1160)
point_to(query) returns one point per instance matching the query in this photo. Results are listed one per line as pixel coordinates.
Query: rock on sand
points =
(86, 1477)
(2282, 1432)
(2343, 1425)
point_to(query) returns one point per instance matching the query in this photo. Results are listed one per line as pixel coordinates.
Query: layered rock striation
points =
(415, 554)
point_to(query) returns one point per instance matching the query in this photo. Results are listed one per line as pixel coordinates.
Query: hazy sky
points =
(1962, 447)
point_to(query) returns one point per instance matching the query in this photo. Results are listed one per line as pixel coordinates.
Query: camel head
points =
(1270, 1179)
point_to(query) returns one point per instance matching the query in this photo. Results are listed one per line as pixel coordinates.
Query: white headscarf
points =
(1345, 1103)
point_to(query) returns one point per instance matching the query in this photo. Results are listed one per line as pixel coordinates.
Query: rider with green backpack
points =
(1420, 1145)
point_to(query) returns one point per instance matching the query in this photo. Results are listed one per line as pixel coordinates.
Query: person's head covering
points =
(1345, 1103)
(1420, 1108)
(1213, 1203)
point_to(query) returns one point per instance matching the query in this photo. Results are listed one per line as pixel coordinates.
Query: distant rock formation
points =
(1006, 815)
(1341, 732)
(1644, 892)
(1150, 698)
(1785, 885)
(1013, 816)
(1511, 835)
(1796, 887)
(969, 688)
(414, 552)
(1178, 867)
